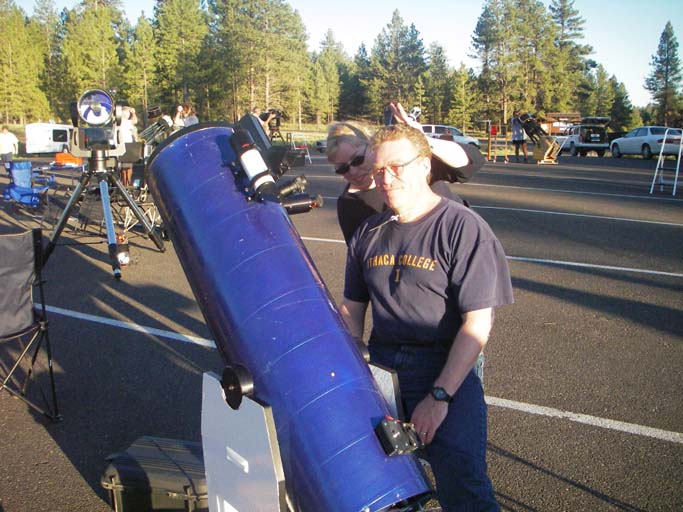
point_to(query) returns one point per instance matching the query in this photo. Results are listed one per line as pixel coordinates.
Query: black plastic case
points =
(157, 474)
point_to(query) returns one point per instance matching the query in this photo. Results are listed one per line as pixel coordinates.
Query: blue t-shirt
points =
(422, 276)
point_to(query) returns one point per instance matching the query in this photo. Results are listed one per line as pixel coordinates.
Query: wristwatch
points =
(441, 395)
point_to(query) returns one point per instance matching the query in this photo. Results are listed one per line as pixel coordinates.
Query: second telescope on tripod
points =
(96, 114)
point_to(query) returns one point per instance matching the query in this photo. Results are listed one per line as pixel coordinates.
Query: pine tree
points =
(494, 42)
(397, 62)
(621, 112)
(21, 64)
(292, 73)
(604, 93)
(635, 120)
(586, 98)
(46, 17)
(179, 30)
(327, 84)
(139, 63)
(260, 50)
(569, 59)
(354, 101)
(664, 81)
(222, 60)
(464, 98)
(90, 50)
(534, 53)
(436, 85)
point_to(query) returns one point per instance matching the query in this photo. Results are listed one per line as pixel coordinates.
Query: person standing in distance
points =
(178, 119)
(434, 272)
(9, 146)
(189, 115)
(258, 113)
(518, 136)
(129, 134)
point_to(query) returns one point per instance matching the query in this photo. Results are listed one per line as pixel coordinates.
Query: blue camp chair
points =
(27, 189)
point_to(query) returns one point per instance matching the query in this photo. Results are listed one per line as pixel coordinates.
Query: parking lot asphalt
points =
(583, 375)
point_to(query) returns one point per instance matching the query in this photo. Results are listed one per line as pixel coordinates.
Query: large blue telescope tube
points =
(269, 311)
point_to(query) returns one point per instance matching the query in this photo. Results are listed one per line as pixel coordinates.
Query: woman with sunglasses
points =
(347, 144)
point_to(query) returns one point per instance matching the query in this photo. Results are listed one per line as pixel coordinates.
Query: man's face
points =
(400, 173)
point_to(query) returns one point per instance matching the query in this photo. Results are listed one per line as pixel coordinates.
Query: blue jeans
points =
(457, 454)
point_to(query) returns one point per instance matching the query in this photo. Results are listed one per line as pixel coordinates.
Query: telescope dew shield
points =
(270, 312)
(253, 164)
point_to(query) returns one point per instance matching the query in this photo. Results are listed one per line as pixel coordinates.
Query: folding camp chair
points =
(27, 189)
(23, 321)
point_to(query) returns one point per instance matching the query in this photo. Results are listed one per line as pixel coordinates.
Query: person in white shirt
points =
(9, 145)
(129, 134)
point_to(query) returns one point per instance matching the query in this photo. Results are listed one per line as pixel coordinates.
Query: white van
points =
(47, 138)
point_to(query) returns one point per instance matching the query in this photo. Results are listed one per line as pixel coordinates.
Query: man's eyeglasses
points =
(355, 162)
(394, 170)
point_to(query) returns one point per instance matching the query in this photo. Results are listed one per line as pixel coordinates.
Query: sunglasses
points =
(355, 162)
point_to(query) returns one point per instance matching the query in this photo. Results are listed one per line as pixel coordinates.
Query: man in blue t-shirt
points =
(434, 272)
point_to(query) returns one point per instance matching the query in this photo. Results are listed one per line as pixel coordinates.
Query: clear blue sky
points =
(623, 33)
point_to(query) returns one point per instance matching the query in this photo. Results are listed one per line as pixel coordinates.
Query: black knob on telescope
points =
(237, 382)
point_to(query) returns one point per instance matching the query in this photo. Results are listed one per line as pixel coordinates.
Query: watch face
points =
(441, 395)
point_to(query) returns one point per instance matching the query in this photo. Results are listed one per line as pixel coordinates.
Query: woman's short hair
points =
(351, 132)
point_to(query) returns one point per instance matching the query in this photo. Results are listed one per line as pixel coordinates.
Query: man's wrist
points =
(441, 395)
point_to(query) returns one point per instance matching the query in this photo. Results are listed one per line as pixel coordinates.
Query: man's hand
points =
(469, 342)
(428, 417)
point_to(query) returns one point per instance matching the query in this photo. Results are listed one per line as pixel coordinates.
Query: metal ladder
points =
(303, 146)
(659, 170)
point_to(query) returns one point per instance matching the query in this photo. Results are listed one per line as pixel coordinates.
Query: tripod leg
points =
(149, 228)
(109, 223)
(63, 219)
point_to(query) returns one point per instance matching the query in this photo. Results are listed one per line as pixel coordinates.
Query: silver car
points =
(647, 141)
(440, 131)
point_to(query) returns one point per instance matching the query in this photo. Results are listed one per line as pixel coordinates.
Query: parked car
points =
(589, 135)
(647, 141)
(439, 131)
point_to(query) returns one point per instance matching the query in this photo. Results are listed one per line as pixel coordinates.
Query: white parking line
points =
(577, 192)
(600, 217)
(566, 214)
(559, 263)
(591, 265)
(631, 428)
(133, 327)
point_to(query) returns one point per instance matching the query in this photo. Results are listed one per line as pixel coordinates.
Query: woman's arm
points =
(452, 161)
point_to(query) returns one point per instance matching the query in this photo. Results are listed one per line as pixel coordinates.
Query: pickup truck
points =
(589, 135)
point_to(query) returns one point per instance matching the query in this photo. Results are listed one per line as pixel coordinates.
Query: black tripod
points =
(106, 177)
(274, 129)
